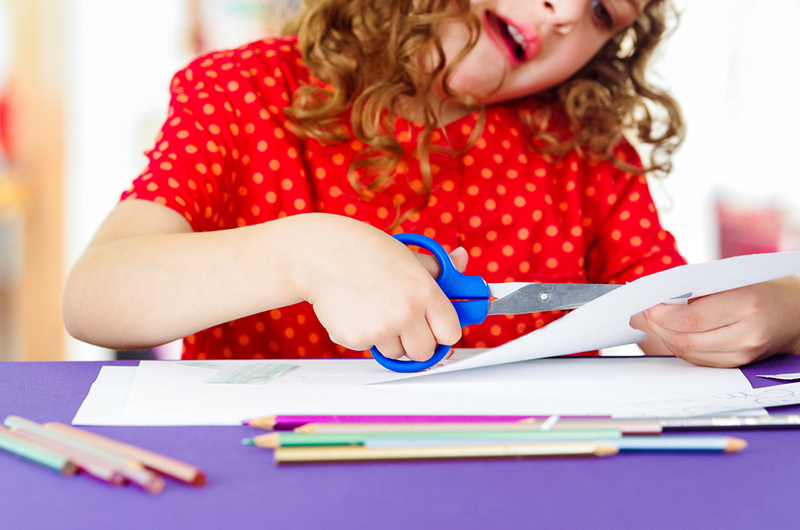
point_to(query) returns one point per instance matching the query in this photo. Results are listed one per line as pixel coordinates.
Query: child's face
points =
(535, 44)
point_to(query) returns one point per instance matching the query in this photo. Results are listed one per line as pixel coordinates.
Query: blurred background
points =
(83, 91)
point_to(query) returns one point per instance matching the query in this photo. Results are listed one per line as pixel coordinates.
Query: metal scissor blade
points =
(535, 297)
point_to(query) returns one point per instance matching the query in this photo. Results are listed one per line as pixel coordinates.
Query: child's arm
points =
(147, 279)
(727, 329)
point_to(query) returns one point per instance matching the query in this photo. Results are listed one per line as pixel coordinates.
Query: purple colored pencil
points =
(290, 422)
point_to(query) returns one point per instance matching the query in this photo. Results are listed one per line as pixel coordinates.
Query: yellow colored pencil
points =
(287, 455)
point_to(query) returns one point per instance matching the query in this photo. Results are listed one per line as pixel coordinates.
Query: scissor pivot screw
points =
(544, 296)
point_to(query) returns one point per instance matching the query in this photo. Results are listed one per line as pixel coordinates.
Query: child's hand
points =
(369, 289)
(734, 327)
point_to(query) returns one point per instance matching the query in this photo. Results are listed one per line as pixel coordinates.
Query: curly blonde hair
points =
(372, 54)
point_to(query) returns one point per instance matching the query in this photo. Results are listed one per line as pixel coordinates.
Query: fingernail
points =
(458, 252)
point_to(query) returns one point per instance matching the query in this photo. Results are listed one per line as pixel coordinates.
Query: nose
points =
(564, 14)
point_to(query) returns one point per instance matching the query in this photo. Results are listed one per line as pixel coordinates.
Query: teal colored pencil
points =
(626, 443)
(34, 452)
(286, 439)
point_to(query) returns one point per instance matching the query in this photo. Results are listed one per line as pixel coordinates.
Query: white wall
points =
(732, 64)
(120, 59)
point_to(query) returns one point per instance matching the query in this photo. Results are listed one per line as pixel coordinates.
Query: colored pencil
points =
(88, 463)
(19, 446)
(290, 422)
(129, 469)
(284, 439)
(286, 455)
(627, 443)
(154, 461)
(629, 427)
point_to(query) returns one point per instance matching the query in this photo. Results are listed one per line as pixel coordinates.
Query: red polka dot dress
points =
(225, 158)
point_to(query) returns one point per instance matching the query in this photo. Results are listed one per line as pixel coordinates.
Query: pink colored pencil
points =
(289, 422)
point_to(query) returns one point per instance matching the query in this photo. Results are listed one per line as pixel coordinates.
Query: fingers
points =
(721, 330)
(459, 257)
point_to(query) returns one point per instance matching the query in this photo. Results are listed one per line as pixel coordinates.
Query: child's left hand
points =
(731, 328)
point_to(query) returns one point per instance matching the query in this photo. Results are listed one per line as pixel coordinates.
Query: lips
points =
(520, 41)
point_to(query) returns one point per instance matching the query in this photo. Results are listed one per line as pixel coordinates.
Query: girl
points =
(260, 227)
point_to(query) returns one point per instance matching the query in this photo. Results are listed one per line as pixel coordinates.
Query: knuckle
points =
(682, 342)
(689, 322)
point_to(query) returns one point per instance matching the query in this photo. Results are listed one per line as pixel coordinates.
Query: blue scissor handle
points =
(470, 296)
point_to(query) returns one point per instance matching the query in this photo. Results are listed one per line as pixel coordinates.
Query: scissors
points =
(474, 299)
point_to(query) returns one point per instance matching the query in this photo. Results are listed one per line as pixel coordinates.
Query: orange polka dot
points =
(551, 230)
(552, 263)
(568, 247)
(244, 340)
(524, 267)
(496, 330)
(523, 234)
(274, 165)
(537, 247)
(519, 201)
(636, 241)
(468, 160)
(475, 221)
(261, 145)
(152, 186)
(644, 223)
(383, 213)
(448, 185)
(166, 166)
(446, 217)
(492, 266)
(491, 235)
(616, 235)
(490, 204)
(475, 252)
(508, 251)
(208, 108)
(666, 260)
(286, 184)
(507, 219)
(271, 197)
(338, 159)
(299, 204)
(486, 173)
(350, 209)
(289, 332)
(537, 215)
(576, 231)
(473, 190)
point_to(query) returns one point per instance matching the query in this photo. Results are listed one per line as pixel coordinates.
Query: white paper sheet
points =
(168, 393)
(704, 405)
(604, 322)
(105, 403)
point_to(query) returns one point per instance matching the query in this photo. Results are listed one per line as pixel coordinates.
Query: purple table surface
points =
(757, 488)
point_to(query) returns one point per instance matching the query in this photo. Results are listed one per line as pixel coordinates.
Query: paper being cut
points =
(604, 322)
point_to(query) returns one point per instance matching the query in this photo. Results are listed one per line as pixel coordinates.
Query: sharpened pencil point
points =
(735, 444)
(248, 441)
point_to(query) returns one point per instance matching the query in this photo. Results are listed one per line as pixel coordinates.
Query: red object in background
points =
(6, 126)
(745, 229)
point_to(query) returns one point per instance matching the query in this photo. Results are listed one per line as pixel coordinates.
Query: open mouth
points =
(510, 36)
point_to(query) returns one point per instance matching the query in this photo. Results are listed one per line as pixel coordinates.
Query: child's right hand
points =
(368, 289)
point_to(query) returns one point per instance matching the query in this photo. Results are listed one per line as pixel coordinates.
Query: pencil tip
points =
(735, 445)
(246, 422)
(248, 441)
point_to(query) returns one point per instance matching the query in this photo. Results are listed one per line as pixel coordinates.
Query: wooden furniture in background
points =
(37, 168)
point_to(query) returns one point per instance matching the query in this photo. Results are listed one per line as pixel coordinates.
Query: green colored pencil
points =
(34, 452)
(286, 439)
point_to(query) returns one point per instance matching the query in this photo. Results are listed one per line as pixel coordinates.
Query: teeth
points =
(514, 32)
